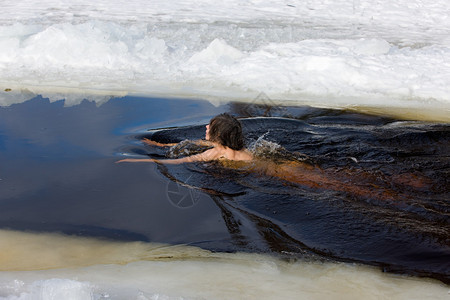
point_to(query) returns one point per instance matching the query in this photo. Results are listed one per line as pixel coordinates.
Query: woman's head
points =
(225, 130)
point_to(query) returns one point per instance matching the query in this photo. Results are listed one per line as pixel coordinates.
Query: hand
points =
(152, 143)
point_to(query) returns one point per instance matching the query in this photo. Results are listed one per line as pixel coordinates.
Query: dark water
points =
(383, 200)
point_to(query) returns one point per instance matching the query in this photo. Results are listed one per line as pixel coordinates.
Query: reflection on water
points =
(25, 251)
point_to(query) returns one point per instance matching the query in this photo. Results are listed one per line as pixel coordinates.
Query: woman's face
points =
(207, 133)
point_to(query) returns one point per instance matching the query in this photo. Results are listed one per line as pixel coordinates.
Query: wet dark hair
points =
(227, 131)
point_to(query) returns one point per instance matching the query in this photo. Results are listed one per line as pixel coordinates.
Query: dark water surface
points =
(343, 186)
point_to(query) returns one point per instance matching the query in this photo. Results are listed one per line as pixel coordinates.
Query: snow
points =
(323, 53)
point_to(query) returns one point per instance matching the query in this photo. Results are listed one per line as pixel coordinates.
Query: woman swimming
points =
(223, 134)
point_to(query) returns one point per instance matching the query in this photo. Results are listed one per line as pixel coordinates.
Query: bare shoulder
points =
(220, 153)
(244, 155)
(236, 155)
(212, 154)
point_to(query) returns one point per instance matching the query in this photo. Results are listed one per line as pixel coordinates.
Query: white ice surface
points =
(57, 267)
(324, 53)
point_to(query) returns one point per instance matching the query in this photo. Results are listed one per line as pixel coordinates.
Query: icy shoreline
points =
(323, 54)
(143, 271)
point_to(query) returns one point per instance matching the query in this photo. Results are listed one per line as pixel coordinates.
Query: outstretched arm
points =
(153, 143)
(158, 144)
(208, 155)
